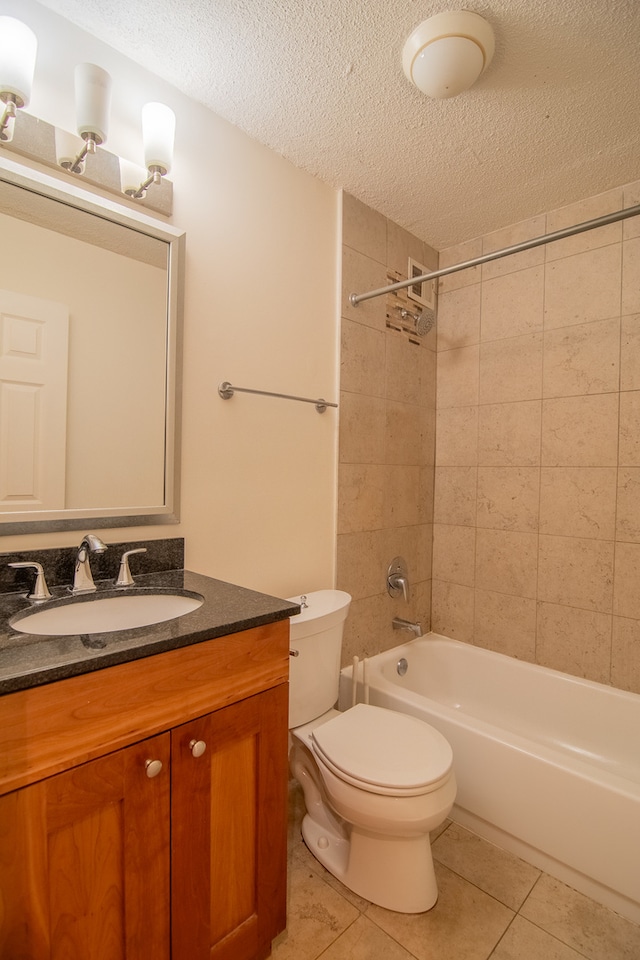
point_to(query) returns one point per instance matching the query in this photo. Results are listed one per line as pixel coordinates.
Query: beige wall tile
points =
(364, 229)
(508, 498)
(459, 317)
(579, 213)
(578, 502)
(359, 275)
(629, 448)
(360, 562)
(403, 433)
(362, 359)
(626, 596)
(574, 641)
(509, 434)
(427, 436)
(402, 369)
(457, 377)
(460, 253)
(630, 353)
(452, 610)
(631, 276)
(628, 504)
(366, 627)
(457, 437)
(426, 484)
(455, 495)
(506, 624)
(361, 497)
(424, 538)
(631, 194)
(576, 572)
(625, 654)
(584, 287)
(427, 363)
(580, 431)
(362, 428)
(511, 369)
(454, 553)
(401, 245)
(506, 562)
(402, 496)
(582, 359)
(512, 305)
(507, 237)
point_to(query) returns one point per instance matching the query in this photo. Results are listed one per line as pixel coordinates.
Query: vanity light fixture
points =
(18, 46)
(93, 105)
(158, 134)
(41, 141)
(446, 54)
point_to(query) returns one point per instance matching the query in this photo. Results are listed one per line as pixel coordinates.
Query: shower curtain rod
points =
(357, 298)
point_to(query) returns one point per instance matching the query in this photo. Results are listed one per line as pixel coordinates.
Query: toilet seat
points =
(384, 752)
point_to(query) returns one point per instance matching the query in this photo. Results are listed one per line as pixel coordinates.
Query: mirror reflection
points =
(86, 365)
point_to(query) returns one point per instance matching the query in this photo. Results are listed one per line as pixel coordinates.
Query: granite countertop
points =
(28, 660)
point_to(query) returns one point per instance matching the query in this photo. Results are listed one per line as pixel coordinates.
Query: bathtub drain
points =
(402, 666)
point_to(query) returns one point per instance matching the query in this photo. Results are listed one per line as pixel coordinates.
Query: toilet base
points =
(407, 882)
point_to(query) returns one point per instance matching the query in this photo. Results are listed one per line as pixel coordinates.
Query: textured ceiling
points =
(556, 117)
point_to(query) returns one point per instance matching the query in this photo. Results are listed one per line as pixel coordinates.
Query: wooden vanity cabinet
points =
(112, 856)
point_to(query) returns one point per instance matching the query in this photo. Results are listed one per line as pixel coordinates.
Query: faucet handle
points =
(398, 578)
(124, 578)
(40, 590)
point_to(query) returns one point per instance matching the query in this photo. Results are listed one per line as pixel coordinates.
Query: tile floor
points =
(490, 905)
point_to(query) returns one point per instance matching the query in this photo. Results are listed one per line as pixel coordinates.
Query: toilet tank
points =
(316, 636)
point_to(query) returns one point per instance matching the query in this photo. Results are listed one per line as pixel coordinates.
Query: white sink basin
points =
(106, 614)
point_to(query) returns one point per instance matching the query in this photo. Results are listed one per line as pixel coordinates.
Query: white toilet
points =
(375, 782)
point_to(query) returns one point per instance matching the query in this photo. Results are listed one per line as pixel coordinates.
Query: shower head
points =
(423, 320)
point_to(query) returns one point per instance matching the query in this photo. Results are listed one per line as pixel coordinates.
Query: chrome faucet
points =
(82, 577)
(398, 578)
(399, 624)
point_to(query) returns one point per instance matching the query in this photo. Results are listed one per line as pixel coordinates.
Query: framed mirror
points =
(90, 315)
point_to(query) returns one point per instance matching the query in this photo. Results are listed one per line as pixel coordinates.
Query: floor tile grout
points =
(476, 865)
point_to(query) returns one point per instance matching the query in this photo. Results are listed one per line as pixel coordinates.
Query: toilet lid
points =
(382, 750)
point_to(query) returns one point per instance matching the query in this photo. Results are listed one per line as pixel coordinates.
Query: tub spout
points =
(399, 624)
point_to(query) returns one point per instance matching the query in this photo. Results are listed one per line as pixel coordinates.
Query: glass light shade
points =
(447, 66)
(131, 176)
(93, 101)
(18, 46)
(446, 54)
(158, 134)
(67, 147)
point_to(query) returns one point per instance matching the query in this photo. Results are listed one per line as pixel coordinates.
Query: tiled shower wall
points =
(536, 549)
(387, 425)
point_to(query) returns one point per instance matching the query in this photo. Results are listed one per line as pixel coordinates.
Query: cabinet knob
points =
(197, 747)
(153, 767)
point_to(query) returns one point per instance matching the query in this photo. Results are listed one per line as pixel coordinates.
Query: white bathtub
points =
(548, 765)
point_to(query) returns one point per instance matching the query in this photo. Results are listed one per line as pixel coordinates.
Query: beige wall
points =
(387, 420)
(258, 475)
(536, 547)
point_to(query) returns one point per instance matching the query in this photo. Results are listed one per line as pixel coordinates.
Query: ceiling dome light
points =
(447, 53)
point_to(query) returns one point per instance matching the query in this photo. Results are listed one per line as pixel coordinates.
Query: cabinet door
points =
(229, 826)
(84, 861)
